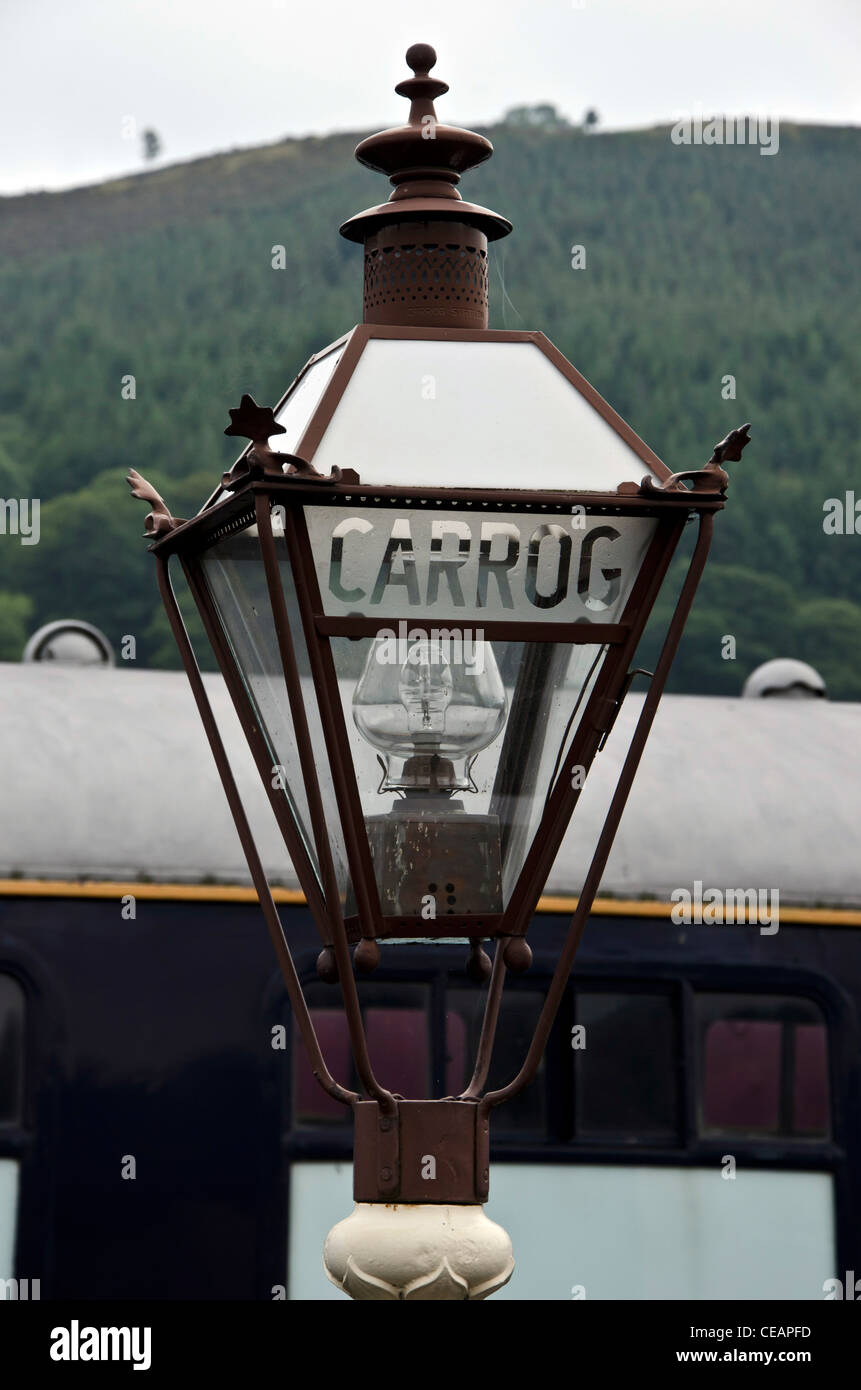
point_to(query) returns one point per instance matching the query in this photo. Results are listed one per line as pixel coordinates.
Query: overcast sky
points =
(210, 75)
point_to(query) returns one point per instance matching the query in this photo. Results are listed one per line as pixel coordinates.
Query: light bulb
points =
(425, 688)
(430, 704)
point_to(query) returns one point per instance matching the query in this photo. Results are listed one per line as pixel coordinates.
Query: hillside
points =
(701, 262)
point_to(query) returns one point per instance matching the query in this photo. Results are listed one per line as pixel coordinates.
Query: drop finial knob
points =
(421, 89)
(421, 57)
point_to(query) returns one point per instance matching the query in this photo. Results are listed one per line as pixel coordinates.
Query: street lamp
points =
(425, 610)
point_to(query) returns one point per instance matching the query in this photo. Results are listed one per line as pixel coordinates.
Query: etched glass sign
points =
(559, 567)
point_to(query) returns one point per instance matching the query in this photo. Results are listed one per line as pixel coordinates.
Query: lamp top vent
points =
(424, 160)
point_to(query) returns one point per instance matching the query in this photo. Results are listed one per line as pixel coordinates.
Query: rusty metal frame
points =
(368, 924)
(340, 944)
(255, 867)
(306, 873)
(392, 1134)
(330, 922)
(334, 729)
(215, 496)
(389, 1129)
(357, 338)
(587, 739)
(594, 724)
(592, 728)
(233, 512)
(611, 823)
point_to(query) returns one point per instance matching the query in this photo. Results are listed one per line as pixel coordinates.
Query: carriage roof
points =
(107, 775)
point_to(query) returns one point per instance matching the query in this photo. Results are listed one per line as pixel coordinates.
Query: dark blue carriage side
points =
(152, 1040)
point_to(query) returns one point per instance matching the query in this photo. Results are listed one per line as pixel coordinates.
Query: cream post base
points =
(408, 1251)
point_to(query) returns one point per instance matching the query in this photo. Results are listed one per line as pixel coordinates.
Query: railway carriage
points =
(694, 1131)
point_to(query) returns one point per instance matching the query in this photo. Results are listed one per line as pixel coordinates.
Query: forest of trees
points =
(718, 286)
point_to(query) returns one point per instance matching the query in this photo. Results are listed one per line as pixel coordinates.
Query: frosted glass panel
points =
(303, 400)
(488, 415)
(457, 565)
(619, 1232)
(8, 1215)
(637, 1232)
(297, 409)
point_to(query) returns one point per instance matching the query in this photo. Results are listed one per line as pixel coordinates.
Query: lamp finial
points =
(426, 248)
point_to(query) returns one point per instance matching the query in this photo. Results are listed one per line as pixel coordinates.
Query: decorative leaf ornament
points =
(159, 521)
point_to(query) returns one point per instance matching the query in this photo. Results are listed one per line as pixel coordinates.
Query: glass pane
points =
(810, 1083)
(447, 565)
(233, 571)
(9, 1175)
(455, 749)
(518, 1018)
(11, 1051)
(548, 686)
(741, 1087)
(763, 1066)
(626, 1075)
(456, 740)
(303, 400)
(483, 415)
(397, 1027)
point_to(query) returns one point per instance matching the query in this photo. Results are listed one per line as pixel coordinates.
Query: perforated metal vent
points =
(427, 273)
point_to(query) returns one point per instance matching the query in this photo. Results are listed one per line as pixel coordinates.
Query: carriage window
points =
(626, 1068)
(810, 1082)
(11, 1051)
(763, 1066)
(396, 1026)
(310, 1101)
(398, 1048)
(518, 1017)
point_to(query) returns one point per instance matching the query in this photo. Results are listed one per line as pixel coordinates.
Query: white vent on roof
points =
(786, 679)
(70, 642)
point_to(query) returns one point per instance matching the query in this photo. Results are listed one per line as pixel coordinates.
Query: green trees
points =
(718, 287)
(16, 614)
(543, 117)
